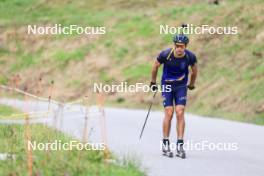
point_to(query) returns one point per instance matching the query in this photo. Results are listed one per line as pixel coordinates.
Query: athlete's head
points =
(180, 41)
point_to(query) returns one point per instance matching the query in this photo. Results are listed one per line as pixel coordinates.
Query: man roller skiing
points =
(176, 62)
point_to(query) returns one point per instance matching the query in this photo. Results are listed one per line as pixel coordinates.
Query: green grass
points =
(104, 77)
(137, 73)
(143, 29)
(120, 53)
(64, 57)
(25, 61)
(72, 162)
(204, 110)
(133, 34)
(3, 79)
(6, 112)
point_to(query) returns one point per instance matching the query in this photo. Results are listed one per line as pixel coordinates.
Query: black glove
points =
(191, 87)
(153, 86)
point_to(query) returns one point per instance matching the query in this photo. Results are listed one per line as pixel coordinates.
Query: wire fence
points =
(55, 111)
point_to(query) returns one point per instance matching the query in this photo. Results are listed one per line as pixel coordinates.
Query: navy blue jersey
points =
(176, 68)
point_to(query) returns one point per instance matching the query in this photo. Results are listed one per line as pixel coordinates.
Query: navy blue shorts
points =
(178, 96)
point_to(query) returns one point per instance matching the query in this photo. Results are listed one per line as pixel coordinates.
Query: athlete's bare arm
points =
(193, 76)
(154, 71)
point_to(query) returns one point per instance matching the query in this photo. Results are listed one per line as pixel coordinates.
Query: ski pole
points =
(147, 115)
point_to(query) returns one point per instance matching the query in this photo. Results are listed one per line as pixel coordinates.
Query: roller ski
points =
(166, 151)
(180, 151)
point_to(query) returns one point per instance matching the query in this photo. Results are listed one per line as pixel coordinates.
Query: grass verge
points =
(60, 162)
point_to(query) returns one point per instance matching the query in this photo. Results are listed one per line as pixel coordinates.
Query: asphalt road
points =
(240, 146)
